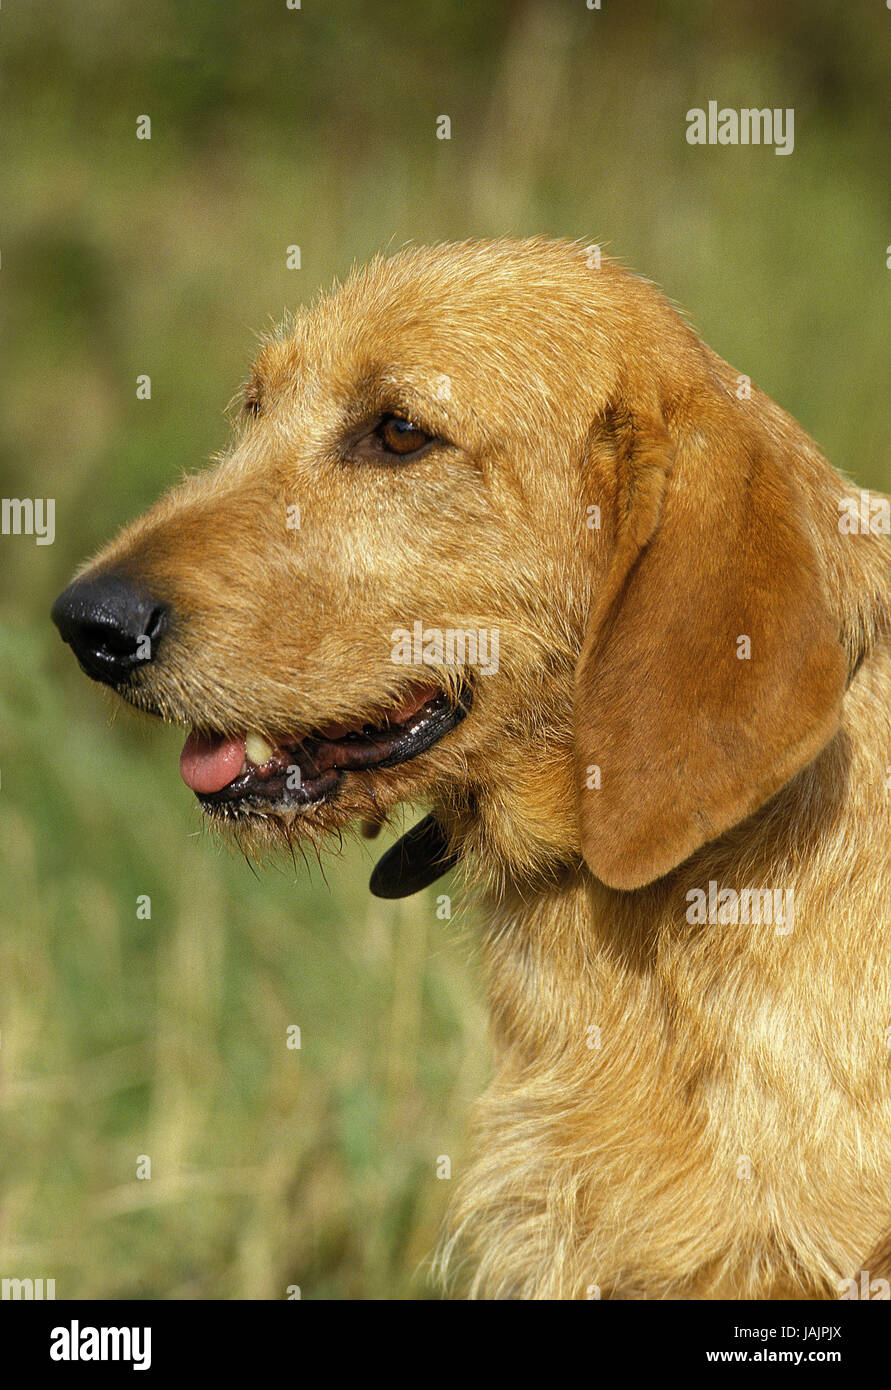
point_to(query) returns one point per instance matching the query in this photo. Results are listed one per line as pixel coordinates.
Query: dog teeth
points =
(257, 749)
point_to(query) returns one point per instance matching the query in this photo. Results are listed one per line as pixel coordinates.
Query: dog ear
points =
(711, 671)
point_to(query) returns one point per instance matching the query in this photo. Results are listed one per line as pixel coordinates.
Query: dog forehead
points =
(519, 316)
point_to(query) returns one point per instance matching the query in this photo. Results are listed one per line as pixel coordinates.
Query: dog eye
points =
(400, 436)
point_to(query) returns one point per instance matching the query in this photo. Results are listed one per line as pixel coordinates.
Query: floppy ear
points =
(712, 670)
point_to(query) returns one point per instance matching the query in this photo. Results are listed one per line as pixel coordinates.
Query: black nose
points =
(111, 625)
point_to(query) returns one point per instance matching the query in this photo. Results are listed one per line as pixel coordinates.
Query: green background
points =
(122, 1037)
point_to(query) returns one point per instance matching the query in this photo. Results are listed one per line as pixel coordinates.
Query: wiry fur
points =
(725, 1133)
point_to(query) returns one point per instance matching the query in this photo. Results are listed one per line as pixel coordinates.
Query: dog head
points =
(488, 534)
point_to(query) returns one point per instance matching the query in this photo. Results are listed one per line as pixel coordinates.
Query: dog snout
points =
(112, 625)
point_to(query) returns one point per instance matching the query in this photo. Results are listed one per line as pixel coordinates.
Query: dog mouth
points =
(233, 777)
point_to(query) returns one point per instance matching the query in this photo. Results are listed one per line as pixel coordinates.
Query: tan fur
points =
(680, 1109)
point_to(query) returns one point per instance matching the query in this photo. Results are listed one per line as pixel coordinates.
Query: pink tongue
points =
(209, 764)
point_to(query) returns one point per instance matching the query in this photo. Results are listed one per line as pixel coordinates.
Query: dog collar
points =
(416, 860)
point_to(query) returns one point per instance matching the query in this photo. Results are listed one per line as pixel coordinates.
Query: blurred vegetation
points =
(120, 1036)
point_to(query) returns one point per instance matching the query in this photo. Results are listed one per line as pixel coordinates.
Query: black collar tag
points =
(418, 859)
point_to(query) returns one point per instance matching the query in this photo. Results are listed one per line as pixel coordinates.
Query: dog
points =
(671, 790)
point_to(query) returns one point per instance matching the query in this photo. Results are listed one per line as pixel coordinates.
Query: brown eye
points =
(399, 436)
